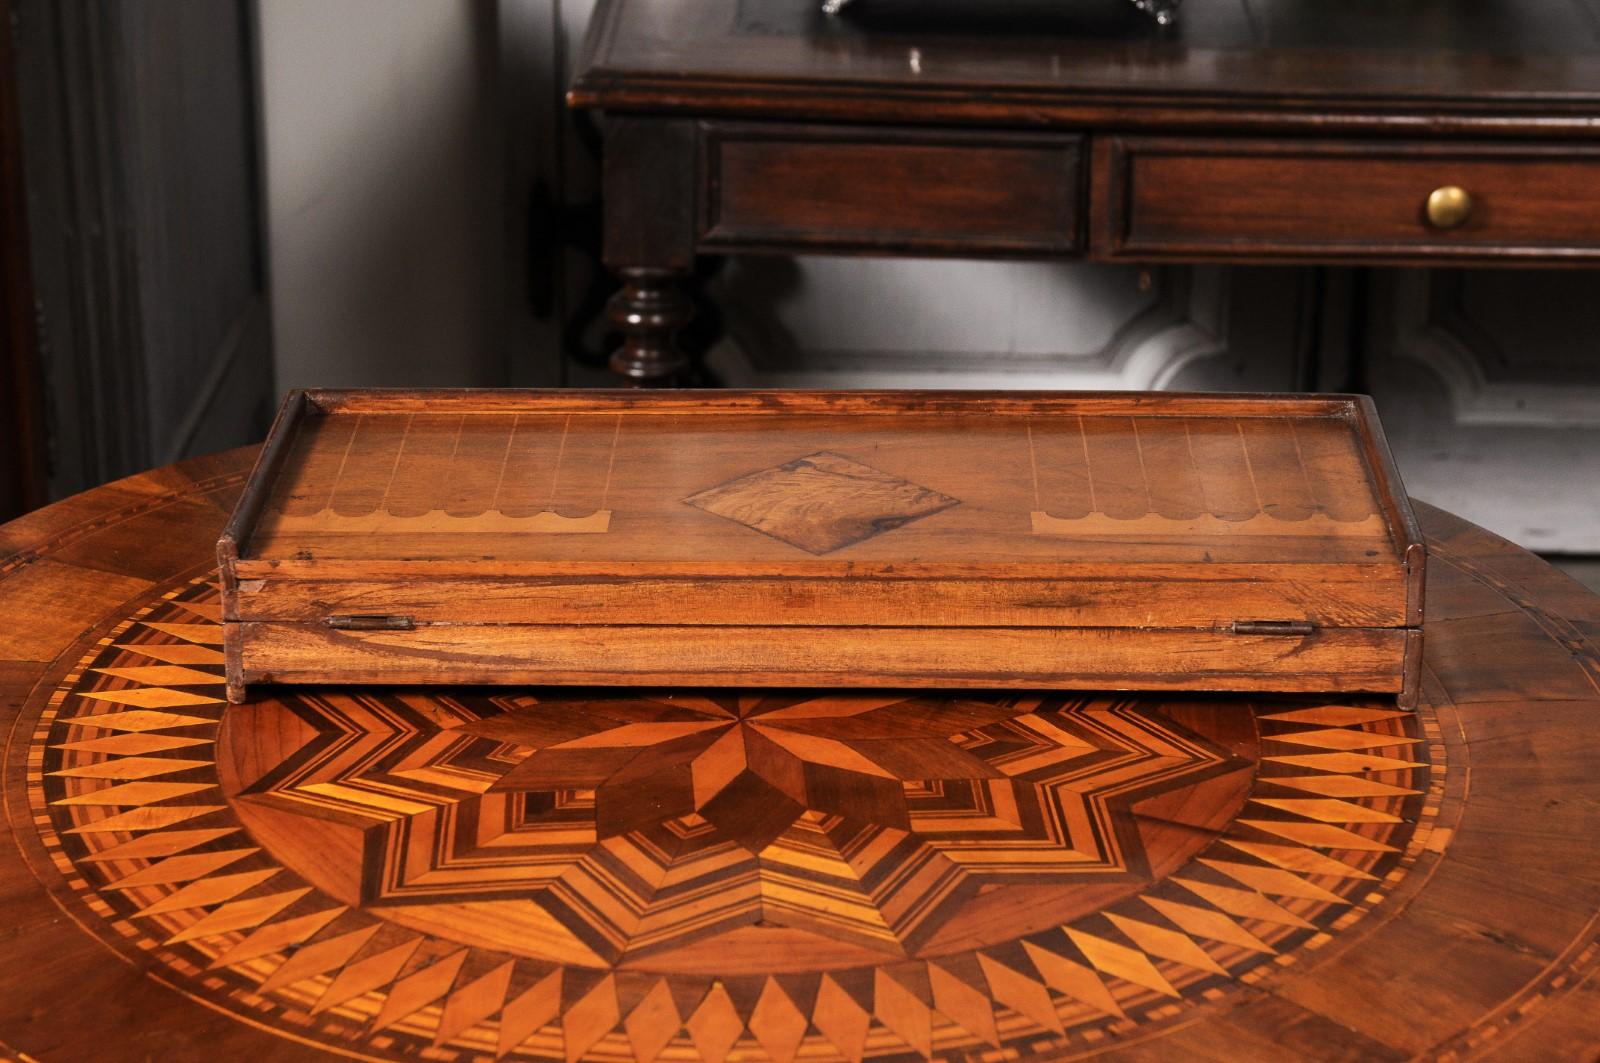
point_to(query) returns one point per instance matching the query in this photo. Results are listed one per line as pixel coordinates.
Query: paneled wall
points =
(818, 322)
(1489, 386)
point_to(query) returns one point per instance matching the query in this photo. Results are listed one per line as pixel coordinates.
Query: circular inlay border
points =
(123, 786)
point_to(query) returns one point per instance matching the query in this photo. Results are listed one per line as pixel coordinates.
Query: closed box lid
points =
(1291, 501)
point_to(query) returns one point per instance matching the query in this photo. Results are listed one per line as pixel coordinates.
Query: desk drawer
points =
(844, 188)
(1181, 198)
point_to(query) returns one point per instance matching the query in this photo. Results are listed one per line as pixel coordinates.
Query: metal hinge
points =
(371, 622)
(1273, 627)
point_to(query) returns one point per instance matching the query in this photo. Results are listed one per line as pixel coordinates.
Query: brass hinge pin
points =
(371, 622)
(1273, 627)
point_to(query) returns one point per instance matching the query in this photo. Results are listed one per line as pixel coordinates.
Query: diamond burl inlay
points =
(821, 502)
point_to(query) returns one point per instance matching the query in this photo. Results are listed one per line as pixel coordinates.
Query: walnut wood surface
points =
(1069, 541)
(630, 875)
(1182, 198)
(1241, 64)
(826, 188)
(1252, 131)
(836, 655)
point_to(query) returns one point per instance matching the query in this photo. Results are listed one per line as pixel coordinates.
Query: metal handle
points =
(1449, 207)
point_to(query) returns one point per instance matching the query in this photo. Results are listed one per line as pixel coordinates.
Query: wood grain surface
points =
(677, 874)
(915, 538)
(872, 188)
(1250, 131)
(1179, 198)
(1241, 66)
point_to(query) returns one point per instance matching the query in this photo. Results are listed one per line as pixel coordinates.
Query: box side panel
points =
(236, 534)
(1329, 596)
(1343, 661)
(1411, 670)
(1396, 503)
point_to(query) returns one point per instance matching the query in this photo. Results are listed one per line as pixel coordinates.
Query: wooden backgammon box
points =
(851, 539)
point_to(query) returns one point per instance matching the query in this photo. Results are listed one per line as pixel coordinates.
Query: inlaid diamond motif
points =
(821, 502)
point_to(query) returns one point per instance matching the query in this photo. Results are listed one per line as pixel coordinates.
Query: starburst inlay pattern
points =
(865, 817)
(476, 874)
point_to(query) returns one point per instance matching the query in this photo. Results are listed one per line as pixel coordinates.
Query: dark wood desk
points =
(1253, 131)
(465, 874)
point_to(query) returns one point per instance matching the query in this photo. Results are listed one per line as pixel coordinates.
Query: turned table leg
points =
(649, 211)
(651, 307)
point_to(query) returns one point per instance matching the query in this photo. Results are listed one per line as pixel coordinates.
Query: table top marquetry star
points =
(680, 874)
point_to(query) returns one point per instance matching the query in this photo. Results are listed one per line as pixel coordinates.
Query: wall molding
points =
(1187, 322)
(1433, 327)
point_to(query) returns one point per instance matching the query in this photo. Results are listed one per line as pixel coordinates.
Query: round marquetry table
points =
(458, 874)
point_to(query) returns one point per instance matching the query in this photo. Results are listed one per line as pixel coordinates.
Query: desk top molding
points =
(1530, 69)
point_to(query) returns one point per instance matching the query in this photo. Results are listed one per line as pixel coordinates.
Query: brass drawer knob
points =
(1449, 207)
